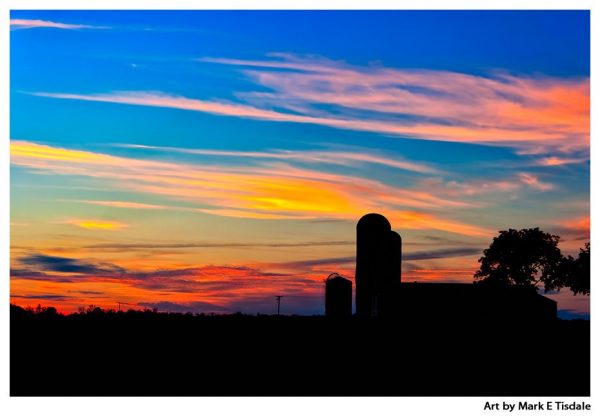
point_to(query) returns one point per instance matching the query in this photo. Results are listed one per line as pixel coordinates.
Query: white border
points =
(255, 406)
(299, 4)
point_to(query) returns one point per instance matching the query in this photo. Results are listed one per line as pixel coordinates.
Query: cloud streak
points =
(226, 287)
(440, 254)
(561, 161)
(346, 158)
(350, 260)
(261, 192)
(534, 182)
(144, 246)
(46, 263)
(125, 204)
(498, 109)
(36, 23)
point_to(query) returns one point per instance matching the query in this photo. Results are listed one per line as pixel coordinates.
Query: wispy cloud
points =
(36, 23)
(126, 204)
(220, 288)
(560, 161)
(265, 192)
(448, 275)
(347, 158)
(145, 246)
(480, 187)
(571, 132)
(534, 182)
(440, 254)
(578, 226)
(310, 264)
(304, 265)
(499, 109)
(41, 296)
(46, 263)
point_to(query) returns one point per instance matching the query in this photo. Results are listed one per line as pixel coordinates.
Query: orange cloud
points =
(226, 288)
(417, 220)
(559, 161)
(464, 275)
(277, 192)
(217, 288)
(577, 224)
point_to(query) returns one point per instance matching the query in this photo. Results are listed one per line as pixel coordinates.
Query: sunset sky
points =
(208, 161)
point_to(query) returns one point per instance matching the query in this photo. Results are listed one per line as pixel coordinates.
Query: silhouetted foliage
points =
(528, 257)
(576, 272)
(90, 310)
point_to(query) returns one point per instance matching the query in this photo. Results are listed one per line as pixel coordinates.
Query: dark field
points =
(146, 353)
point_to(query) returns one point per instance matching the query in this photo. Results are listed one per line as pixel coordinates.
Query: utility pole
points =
(278, 297)
(123, 303)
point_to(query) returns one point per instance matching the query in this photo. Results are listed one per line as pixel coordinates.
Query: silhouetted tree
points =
(527, 257)
(576, 272)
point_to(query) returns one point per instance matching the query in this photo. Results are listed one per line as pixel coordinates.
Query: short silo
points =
(338, 297)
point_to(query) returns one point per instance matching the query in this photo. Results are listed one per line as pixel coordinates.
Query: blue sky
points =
(287, 126)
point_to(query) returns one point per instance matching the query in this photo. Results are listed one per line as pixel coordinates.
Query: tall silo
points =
(338, 297)
(378, 264)
(371, 242)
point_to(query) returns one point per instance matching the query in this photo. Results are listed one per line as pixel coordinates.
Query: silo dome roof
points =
(373, 221)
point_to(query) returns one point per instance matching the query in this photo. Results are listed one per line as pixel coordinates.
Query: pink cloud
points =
(428, 131)
(125, 204)
(534, 182)
(560, 161)
(512, 108)
(500, 109)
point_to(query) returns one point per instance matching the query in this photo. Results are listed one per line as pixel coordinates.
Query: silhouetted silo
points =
(371, 239)
(338, 297)
(391, 285)
(378, 263)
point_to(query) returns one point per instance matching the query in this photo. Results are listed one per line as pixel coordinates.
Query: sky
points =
(206, 161)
